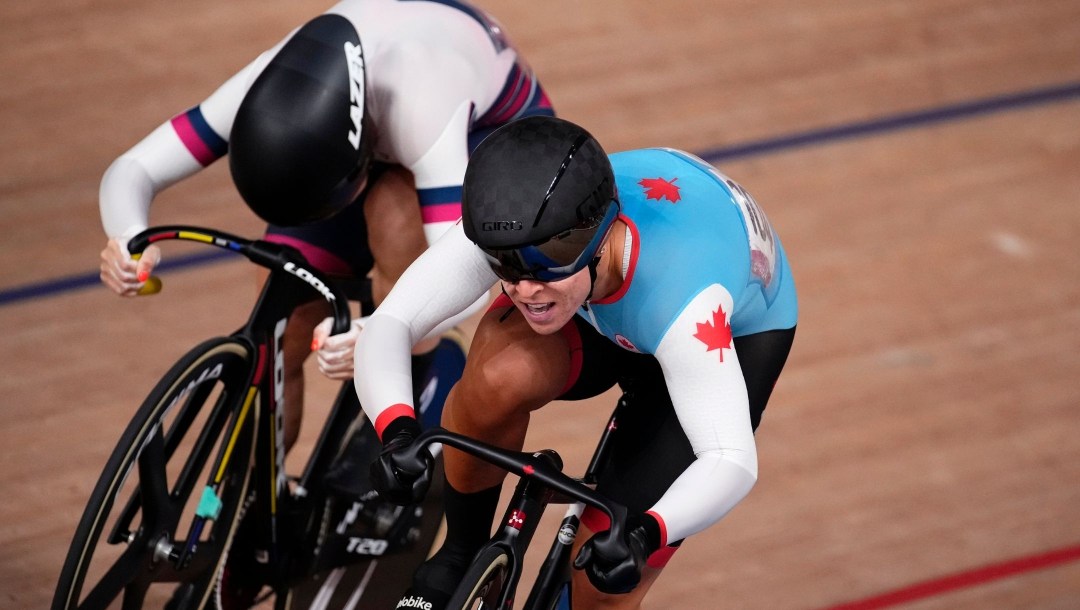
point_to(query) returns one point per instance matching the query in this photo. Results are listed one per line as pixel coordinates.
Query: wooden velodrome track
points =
(921, 160)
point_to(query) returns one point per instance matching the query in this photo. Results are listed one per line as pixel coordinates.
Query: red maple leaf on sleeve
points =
(658, 188)
(715, 333)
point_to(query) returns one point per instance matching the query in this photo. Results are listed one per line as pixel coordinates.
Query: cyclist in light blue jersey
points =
(648, 269)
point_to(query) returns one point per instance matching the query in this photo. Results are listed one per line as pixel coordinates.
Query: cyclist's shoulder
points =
(657, 158)
(672, 188)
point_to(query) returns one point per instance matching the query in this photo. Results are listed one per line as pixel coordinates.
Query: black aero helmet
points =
(301, 142)
(539, 198)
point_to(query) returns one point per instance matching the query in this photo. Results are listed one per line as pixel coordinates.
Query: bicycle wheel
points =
(484, 582)
(129, 548)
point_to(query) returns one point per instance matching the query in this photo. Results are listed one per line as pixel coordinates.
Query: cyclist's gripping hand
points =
(335, 352)
(121, 273)
(617, 568)
(400, 475)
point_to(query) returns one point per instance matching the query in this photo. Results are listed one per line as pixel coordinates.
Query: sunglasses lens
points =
(557, 258)
(509, 266)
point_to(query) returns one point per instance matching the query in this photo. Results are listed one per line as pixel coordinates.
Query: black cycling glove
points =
(622, 572)
(399, 477)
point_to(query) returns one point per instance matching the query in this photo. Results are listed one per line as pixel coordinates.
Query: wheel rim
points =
(486, 594)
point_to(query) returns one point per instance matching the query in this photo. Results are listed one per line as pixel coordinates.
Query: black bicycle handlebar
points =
(532, 466)
(266, 254)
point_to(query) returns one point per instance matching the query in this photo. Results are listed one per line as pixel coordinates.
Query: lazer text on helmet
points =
(354, 58)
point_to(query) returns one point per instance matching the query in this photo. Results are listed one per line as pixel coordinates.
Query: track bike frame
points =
(297, 529)
(291, 283)
(541, 482)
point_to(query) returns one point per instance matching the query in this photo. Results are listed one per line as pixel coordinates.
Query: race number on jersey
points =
(762, 239)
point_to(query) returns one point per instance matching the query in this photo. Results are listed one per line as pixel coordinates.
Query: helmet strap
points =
(593, 264)
(506, 315)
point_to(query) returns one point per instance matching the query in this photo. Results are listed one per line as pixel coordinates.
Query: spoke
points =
(121, 531)
(135, 594)
(186, 417)
(118, 578)
(153, 484)
(200, 452)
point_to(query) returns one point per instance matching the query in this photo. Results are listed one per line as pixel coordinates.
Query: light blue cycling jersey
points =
(691, 227)
(702, 266)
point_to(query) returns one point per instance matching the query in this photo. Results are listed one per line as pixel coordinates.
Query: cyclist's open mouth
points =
(539, 313)
(538, 309)
(544, 317)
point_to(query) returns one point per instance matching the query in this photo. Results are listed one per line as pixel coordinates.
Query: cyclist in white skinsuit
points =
(350, 138)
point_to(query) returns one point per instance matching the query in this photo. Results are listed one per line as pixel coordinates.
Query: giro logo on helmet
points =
(354, 58)
(501, 225)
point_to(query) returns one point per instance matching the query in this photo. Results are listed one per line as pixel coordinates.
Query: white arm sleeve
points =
(444, 164)
(710, 399)
(448, 323)
(447, 278)
(428, 110)
(132, 181)
(161, 159)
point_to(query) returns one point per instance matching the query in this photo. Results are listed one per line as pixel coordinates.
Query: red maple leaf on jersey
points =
(715, 334)
(626, 343)
(658, 188)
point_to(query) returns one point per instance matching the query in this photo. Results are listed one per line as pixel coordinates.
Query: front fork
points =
(522, 516)
(555, 570)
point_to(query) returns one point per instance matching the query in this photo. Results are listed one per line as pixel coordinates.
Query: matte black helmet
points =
(539, 198)
(301, 142)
